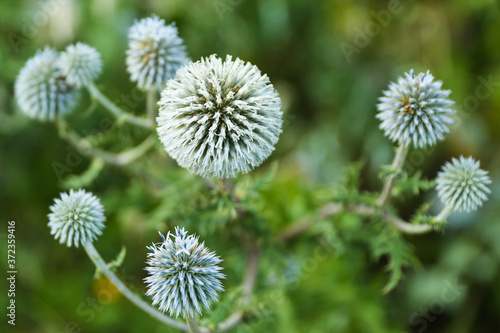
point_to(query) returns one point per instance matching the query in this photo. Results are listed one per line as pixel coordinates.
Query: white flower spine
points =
(41, 89)
(184, 275)
(414, 111)
(155, 53)
(81, 64)
(219, 118)
(462, 184)
(76, 217)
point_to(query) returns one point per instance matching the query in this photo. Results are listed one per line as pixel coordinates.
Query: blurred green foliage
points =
(329, 102)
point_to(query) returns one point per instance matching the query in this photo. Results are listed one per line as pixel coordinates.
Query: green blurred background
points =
(329, 60)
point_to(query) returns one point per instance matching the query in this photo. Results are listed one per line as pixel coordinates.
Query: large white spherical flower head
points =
(155, 53)
(76, 218)
(462, 184)
(184, 275)
(219, 118)
(81, 64)
(415, 110)
(41, 89)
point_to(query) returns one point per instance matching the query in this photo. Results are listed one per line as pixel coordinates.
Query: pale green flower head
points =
(462, 184)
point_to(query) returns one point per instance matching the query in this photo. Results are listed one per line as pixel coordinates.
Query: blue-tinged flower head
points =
(219, 118)
(155, 52)
(184, 275)
(415, 110)
(42, 92)
(81, 64)
(76, 217)
(462, 184)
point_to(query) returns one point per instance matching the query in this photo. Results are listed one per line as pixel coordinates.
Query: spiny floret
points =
(41, 89)
(462, 184)
(183, 274)
(81, 64)
(155, 52)
(76, 218)
(219, 119)
(415, 110)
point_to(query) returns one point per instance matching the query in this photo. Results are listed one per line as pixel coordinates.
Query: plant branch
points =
(85, 148)
(248, 285)
(192, 325)
(103, 267)
(121, 115)
(397, 166)
(151, 105)
(333, 208)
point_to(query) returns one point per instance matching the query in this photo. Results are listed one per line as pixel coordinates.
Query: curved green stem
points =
(120, 114)
(85, 148)
(153, 312)
(397, 166)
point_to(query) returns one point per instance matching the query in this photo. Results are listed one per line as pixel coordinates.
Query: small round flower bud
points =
(183, 274)
(41, 89)
(219, 118)
(415, 110)
(81, 64)
(155, 52)
(462, 184)
(77, 217)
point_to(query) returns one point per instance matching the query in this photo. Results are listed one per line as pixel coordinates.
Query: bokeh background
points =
(329, 60)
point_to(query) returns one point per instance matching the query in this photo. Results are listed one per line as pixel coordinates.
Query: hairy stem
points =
(103, 267)
(397, 166)
(192, 324)
(120, 114)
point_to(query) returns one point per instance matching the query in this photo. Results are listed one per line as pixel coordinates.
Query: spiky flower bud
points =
(462, 184)
(183, 274)
(155, 52)
(219, 118)
(81, 64)
(77, 217)
(41, 89)
(415, 110)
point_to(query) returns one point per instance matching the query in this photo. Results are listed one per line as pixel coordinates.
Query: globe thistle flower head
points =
(219, 119)
(184, 275)
(415, 110)
(462, 184)
(81, 64)
(41, 90)
(155, 52)
(76, 218)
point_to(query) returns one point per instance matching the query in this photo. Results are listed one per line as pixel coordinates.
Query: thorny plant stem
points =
(397, 166)
(103, 267)
(121, 115)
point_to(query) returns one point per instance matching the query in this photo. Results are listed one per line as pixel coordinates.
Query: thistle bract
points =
(415, 110)
(219, 118)
(462, 184)
(184, 275)
(81, 64)
(155, 52)
(41, 89)
(76, 217)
